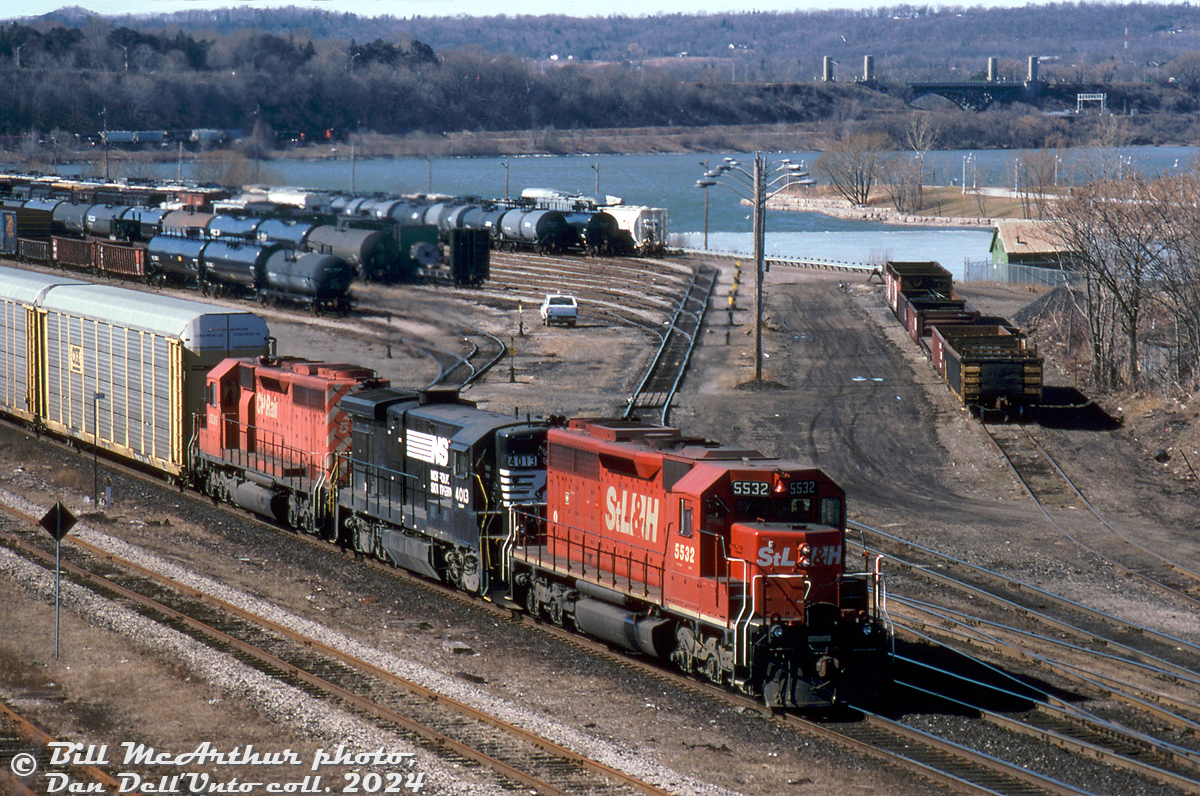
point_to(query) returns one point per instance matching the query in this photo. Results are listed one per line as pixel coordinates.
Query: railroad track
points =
(21, 740)
(1122, 669)
(657, 389)
(1069, 511)
(461, 734)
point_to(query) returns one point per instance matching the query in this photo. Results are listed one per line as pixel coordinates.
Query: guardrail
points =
(791, 262)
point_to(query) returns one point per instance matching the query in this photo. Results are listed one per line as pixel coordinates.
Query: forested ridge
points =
(305, 70)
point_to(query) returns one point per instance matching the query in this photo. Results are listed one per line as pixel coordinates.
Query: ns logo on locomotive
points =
(726, 562)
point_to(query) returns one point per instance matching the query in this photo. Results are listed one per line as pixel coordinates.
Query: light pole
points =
(504, 163)
(104, 113)
(760, 184)
(596, 168)
(704, 163)
(97, 397)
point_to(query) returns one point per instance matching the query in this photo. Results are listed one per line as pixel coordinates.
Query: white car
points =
(559, 308)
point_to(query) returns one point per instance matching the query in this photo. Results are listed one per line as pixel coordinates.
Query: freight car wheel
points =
(712, 669)
(531, 600)
(685, 642)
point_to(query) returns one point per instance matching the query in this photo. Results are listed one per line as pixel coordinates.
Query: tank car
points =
(229, 226)
(103, 221)
(597, 231)
(150, 219)
(486, 219)
(186, 222)
(410, 213)
(71, 217)
(321, 281)
(286, 231)
(726, 562)
(372, 252)
(541, 230)
(173, 258)
(235, 267)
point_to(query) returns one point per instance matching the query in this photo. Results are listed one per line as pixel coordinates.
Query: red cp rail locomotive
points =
(729, 563)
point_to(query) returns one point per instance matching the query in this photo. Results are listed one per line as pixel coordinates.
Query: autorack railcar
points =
(109, 367)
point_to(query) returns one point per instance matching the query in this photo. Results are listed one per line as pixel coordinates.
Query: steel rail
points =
(1058, 710)
(1013, 584)
(1172, 563)
(1077, 746)
(1127, 570)
(1004, 777)
(656, 369)
(38, 737)
(435, 737)
(1112, 687)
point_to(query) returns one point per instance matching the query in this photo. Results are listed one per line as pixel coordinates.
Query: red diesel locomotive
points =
(726, 562)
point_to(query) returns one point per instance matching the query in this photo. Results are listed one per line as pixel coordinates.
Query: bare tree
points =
(920, 136)
(1039, 178)
(1114, 244)
(900, 178)
(1174, 210)
(853, 166)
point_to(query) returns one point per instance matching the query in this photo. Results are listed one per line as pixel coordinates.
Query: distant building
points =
(1032, 243)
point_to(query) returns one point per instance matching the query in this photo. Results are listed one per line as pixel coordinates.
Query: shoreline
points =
(841, 208)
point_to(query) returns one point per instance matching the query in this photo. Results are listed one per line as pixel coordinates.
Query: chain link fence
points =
(1011, 274)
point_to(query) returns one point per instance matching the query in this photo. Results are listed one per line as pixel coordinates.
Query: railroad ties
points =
(658, 387)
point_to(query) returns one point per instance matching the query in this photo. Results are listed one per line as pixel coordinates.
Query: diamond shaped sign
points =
(58, 521)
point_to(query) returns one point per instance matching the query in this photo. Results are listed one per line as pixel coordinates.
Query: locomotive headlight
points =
(867, 630)
(777, 631)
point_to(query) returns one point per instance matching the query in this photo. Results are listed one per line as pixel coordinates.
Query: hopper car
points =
(986, 362)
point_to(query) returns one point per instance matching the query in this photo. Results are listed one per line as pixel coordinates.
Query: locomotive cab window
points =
(462, 463)
(794, 509)
(831, 511)
(685, 519)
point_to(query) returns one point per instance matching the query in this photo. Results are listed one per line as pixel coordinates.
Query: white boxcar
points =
(145, 353)
(20, 292)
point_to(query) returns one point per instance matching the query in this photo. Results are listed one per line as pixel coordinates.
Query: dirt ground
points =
(843, 389)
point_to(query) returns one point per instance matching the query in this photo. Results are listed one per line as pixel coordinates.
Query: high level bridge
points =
(976, 95)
